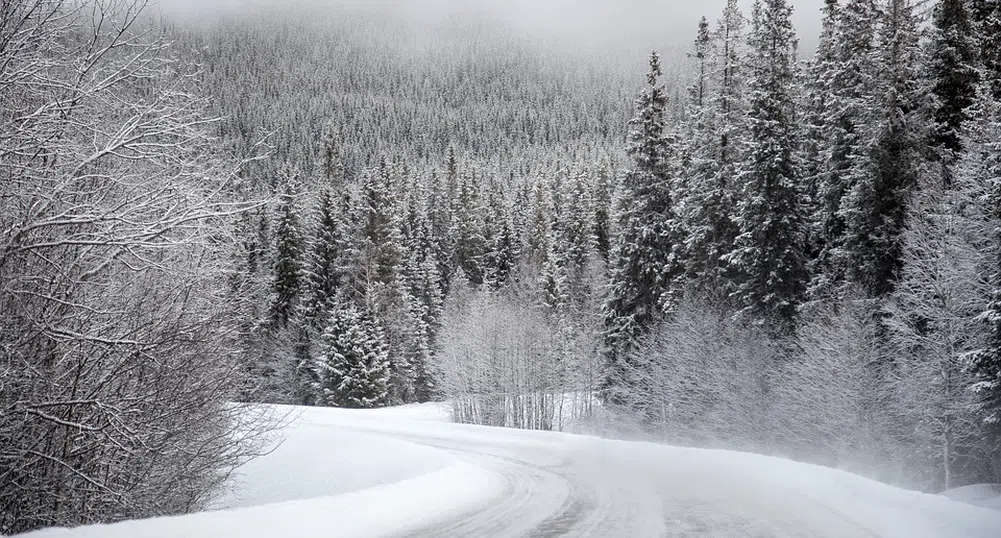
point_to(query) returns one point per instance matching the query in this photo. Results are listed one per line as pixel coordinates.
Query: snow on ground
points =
(985, 495)
(408, 472)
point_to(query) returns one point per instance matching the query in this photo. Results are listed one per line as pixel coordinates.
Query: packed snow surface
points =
(407, 471)
(986, 495)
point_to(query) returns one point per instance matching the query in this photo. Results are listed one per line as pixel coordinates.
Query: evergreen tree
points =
(425, 297)
(952, 67)
(499, 254)
(707, 201)
(287, 281)
(769, 252)
(468, 229)
(986, 16)
(849, 80)
(818, 89)
(646, 263)
(441, 219)
(874, 204)
(604, 188)
(353, 365)
(377, 285)
(326, 267)
(731, 101)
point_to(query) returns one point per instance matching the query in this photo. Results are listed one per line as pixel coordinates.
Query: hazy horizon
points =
(625, 25)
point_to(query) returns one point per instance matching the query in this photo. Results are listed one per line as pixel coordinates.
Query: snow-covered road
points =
(408, 472)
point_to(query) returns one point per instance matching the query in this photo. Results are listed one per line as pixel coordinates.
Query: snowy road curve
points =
(588, 489)
(407, 472)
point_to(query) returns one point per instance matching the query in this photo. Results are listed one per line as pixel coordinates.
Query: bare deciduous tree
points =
(115, 345)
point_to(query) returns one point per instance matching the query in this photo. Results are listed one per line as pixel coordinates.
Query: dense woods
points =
(790, 256)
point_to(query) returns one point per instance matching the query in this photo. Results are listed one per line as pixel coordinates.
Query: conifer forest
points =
(745, 244)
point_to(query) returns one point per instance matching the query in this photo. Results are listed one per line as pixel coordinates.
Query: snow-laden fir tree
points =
(952, 67)
(817, 95)
(646, 263)
(500, 252)
(425, 297)
(769, 252)
(604, 188)
(287, 280)
(352, 367)
(468, 228)
(848, 78)
(986, 16)
(706, 203)
(377, 282)
(874, 205)
(326, 271)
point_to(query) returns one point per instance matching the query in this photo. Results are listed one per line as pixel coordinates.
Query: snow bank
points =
(392, 509)
(884, 510)
(328, 478)
(984, 495)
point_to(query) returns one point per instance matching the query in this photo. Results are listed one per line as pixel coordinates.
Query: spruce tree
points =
(769, 252)
(352, 369)
(287, 281)
(604, 188)
(326, 265)
(952, 67)
(499, 254)
(849, 80)
(425, 297)
(818, 89)
(468, 229)
(986, 16)
(376, 281)
(874, 204)
(646, 262)
(706, 200)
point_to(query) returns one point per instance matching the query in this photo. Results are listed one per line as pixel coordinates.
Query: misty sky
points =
(643, 24)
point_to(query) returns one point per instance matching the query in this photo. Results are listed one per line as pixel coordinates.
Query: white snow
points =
(985, 495)
(406, 471)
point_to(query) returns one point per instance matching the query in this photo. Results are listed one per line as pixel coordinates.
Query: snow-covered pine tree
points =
(604, 189)
(377, 280)
(647, 259)
(287, 280)
(352, 368)
(425, 296)
(769, 252)
(326, 271)
(441, 217)
(849, 82)
(818, 88)
(706, 200)
(952, 66)
(468, 228)
(499, 255)
(986, 16)
(883, 179)
(731, 45)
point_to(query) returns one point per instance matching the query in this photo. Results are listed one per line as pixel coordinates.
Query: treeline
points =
(806, 264)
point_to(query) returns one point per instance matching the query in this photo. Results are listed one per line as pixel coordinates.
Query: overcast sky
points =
(643, 23)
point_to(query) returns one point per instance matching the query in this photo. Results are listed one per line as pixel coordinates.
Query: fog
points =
(626, 26)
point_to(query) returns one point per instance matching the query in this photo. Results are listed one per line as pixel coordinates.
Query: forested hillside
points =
(775, 255)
